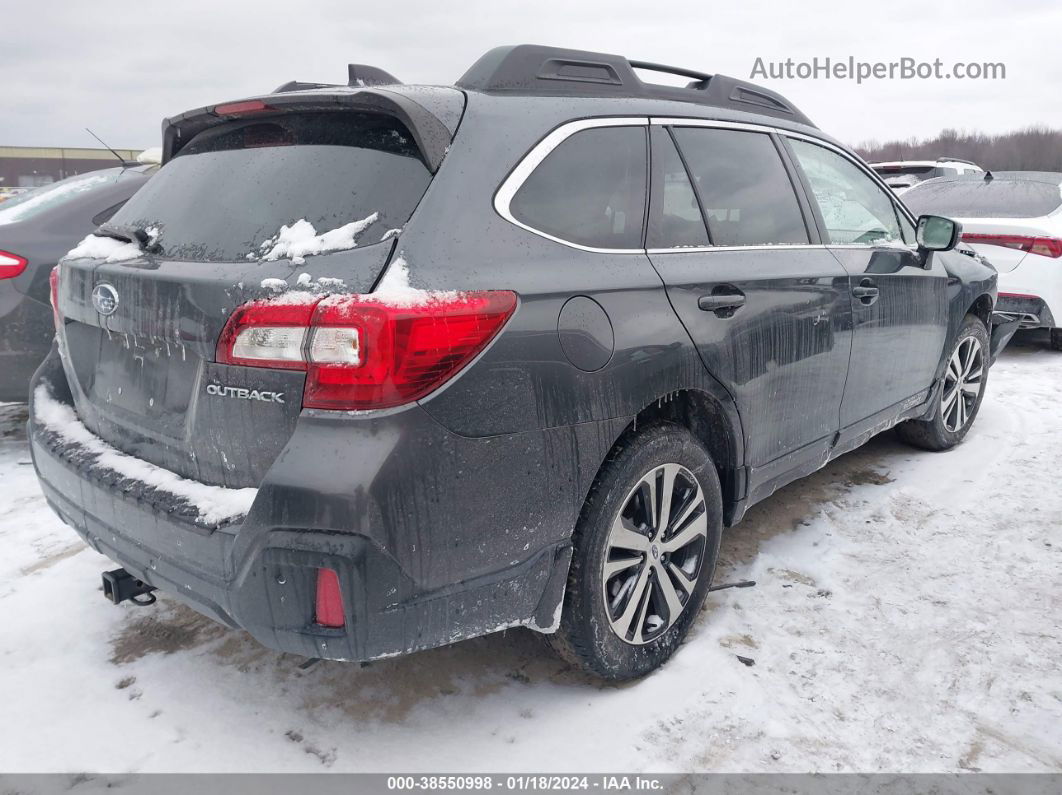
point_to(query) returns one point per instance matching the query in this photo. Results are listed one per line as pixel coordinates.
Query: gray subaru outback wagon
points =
(373, 368)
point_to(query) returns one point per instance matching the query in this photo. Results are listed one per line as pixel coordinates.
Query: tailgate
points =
(246, 210)
(144, 378)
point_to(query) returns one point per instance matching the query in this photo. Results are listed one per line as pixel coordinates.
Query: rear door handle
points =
(723, 304)
(866, 291)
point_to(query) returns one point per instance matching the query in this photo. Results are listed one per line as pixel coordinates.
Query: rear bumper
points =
(429, 549)
(1032, 292)
(1029, 311)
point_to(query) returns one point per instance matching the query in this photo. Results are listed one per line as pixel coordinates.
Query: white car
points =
(903, 174)
(1013, 219)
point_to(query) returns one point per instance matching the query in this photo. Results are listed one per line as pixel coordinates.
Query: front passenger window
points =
(854, 209)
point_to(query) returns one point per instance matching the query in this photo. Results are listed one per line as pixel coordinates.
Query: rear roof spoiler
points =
(432, 131)
(552, 71)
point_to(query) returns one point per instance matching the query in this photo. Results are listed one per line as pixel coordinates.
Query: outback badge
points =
(240, 393)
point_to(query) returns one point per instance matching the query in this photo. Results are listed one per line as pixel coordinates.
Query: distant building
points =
(32, 166)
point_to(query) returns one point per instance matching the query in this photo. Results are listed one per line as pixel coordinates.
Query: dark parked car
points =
(36, 229)
(563, 327)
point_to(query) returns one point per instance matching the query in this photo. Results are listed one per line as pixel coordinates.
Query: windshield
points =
(231, 189)
(31, 203)
(978, 198)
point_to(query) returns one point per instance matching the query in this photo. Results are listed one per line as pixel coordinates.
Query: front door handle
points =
(723, 304)
(866, 291)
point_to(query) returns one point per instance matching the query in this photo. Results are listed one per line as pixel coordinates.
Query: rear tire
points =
(639, 575)
(966, 377)
(1056, 339)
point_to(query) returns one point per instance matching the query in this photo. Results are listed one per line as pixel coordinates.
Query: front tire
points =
(965, 379)
(1056, 339)
(645, 550)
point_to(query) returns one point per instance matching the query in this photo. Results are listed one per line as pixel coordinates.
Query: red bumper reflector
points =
(53, 287)
(329, 612)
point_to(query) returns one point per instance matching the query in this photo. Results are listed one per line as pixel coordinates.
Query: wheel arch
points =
(712, 420)
(981, 308)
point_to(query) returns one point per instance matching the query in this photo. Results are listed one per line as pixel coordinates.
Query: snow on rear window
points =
(300, 240)
(236, 185)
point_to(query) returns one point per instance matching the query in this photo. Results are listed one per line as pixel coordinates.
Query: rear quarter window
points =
(232, 187)
(980, 198)
(590, 190)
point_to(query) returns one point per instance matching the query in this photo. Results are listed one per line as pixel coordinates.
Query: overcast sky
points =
(120, 68)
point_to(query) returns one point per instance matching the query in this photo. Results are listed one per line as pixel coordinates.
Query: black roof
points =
(552, 71)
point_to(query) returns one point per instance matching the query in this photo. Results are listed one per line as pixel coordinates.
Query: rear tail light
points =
(359, 352)
(328, 610)
(1022, 296)
(11, 265)
(53, 286)
(1044, 246)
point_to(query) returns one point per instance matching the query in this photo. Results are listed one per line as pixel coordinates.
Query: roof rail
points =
(535, 69)
(957, 160)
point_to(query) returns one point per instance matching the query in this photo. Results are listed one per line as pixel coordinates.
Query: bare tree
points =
(1036, 148)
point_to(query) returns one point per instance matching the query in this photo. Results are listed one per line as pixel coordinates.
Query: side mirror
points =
(936, 233)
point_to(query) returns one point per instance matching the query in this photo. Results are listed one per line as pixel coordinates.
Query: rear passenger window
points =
(675, 219)
(854, 208)
(747, 195)
(590, 190)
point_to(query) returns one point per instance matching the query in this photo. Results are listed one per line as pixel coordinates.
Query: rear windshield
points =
(977, 198)
(34, 202)
(232, 188)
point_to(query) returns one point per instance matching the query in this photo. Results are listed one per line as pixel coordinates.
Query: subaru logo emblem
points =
(105, 299)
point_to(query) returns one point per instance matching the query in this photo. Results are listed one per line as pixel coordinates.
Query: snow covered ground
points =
(906, 618)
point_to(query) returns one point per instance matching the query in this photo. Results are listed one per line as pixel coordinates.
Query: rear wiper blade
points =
(130, 234)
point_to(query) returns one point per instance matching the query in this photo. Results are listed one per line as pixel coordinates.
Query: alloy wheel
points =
(962, 384)
(654, 554)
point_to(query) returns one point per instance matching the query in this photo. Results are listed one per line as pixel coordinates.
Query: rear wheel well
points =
(705, 418)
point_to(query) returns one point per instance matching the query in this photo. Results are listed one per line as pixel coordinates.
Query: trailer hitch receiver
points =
(121, 586)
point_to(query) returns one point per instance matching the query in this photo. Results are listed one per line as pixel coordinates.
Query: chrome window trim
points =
(753, 247)
(514, 181)
(539, 152)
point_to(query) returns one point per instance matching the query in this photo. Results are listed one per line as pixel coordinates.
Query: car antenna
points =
(120, 158)
(988, 176)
